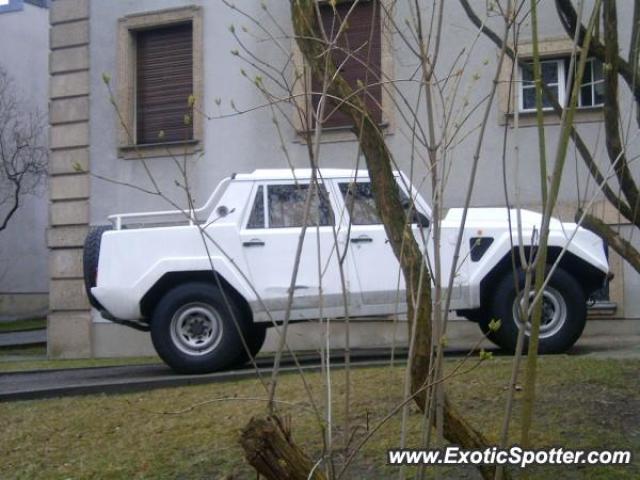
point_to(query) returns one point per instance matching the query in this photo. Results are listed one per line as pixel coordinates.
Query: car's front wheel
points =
(564, 313)
(255, 337)
(194, 331)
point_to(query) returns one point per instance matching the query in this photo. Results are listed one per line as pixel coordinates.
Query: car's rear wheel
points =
(193, 329)
(564, 313)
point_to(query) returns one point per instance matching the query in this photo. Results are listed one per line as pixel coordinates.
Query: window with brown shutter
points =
(357, 53)
(164, 82)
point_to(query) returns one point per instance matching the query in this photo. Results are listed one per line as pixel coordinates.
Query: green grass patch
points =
(192, 432)
(23, 325)
(22, 353)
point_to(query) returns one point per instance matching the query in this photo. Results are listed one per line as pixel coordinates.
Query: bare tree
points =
(23, 150)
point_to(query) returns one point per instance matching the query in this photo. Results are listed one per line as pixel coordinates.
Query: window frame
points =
(346, 216)
(265, 199)
(140, 105)
(254, 195)
(128, 27)
(563, 89)
(591, 62)
(562, 79)
(323, 7)
(303, 89)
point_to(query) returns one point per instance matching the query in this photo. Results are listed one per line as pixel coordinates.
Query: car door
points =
(270, 237)
(375, 269)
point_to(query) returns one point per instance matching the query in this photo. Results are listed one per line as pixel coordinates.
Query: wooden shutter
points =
(164, 82)
(360, 44)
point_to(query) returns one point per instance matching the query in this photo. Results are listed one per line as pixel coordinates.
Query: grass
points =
(582, 403)
(20, 353)
(23, 325)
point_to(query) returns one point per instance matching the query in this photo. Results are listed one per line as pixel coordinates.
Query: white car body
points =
(258, 262)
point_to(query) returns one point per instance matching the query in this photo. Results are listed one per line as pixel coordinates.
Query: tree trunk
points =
(270, 450)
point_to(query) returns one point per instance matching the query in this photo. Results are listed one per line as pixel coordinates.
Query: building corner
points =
(69, 320)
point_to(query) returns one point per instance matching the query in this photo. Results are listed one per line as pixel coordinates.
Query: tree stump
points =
(269, 448)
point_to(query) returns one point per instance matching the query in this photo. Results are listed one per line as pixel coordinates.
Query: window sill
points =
(159, 150)
(528, 119)
(338, 134)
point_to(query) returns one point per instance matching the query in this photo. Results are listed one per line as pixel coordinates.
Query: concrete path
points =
(82, 381)
(18, 339)
(603, 339)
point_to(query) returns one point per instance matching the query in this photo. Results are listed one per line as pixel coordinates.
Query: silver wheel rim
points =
(196, 329)
(554, 312)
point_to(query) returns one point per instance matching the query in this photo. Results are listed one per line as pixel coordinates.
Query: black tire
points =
(255, 337)
(475, 315)
(563, 298)
(193, 330)
(90, 256)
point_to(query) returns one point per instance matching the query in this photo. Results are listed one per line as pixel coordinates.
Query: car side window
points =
(358, 198)
(256, 220)
(361, 206)
(286, 207)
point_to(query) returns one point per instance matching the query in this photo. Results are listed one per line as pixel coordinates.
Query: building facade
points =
(106, 53)
(24, 46)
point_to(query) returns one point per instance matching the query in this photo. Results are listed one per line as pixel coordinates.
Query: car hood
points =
(494, 217)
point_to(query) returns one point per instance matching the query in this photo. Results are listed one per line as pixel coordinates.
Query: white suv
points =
(199, 293)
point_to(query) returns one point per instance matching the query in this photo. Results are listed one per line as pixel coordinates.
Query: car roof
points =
(300, 174)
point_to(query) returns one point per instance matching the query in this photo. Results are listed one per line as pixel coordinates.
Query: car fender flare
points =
(228, 275)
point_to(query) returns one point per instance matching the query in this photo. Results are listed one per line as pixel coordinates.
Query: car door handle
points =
(254, 242)
(362, 239)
